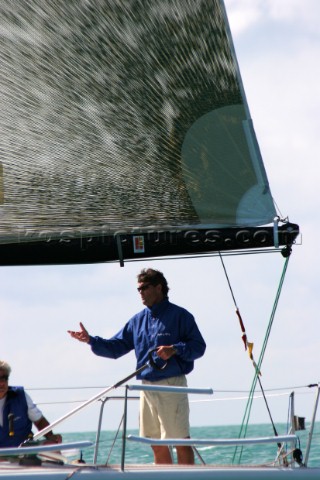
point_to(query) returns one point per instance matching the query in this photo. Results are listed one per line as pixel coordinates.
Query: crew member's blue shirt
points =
(15, 404)
(162, 324)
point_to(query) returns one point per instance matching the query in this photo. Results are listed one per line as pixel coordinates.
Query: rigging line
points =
(291, 387)
(246, 416)
(207, 400)
(269, 412)
(248, 345)
(114, 440)
(224, 399)
(227, 277)
(273, 311)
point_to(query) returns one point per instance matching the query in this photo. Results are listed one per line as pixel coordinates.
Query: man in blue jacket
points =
(18, 413)
(172, 332)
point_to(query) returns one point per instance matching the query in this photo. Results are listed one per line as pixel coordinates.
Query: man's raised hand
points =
(82, 335)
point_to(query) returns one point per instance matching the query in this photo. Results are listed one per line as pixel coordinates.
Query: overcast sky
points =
(278, 49)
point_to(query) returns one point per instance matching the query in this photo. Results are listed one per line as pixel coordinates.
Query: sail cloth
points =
(123, 116)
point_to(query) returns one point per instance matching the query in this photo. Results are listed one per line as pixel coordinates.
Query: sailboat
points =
(126, 135)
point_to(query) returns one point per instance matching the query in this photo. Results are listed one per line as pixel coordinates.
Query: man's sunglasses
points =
(143, 287)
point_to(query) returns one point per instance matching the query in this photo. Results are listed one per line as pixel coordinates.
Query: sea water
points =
(110, 446)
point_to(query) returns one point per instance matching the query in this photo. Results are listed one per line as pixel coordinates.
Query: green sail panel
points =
(123, 116)
(222, 170)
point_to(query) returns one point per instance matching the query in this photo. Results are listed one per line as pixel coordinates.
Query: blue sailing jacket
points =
(162, 324)
(16, 404)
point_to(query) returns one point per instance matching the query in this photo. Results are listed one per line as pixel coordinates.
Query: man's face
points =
(3, 383)
(150, 294)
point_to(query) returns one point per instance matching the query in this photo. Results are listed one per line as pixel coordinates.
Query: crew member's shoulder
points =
(179, 309)
(139, 315)
(13, 391)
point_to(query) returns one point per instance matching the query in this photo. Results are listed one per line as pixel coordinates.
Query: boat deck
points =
(14, 471)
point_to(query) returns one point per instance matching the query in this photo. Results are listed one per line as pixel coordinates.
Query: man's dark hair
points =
(148, 275)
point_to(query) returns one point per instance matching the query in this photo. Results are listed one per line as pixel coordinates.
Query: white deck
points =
(151, 472)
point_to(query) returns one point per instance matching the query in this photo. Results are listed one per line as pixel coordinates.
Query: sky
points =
(278, 49)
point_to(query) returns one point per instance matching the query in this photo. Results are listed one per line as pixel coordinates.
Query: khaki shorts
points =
(164, 414)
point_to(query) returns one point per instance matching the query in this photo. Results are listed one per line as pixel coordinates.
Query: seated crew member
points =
(18, 413)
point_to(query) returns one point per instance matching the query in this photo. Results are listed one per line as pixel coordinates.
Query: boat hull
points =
(153, 472)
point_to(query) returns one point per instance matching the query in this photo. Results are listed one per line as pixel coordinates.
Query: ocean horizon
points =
(110, 445)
